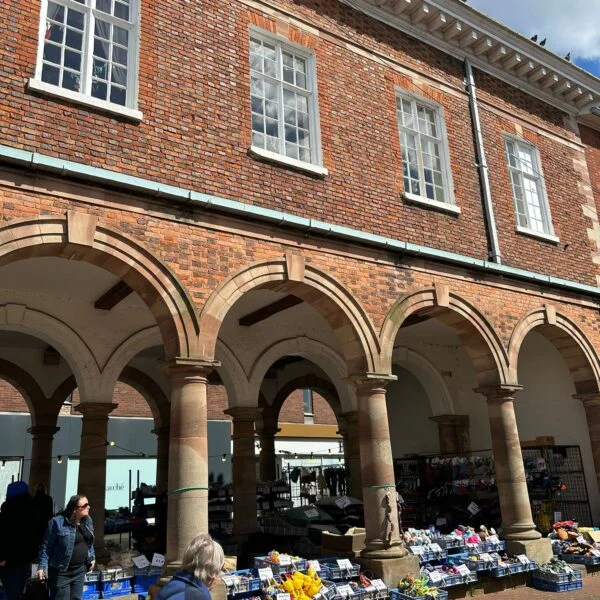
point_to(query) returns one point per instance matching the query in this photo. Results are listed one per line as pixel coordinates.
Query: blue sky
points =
(568, 25)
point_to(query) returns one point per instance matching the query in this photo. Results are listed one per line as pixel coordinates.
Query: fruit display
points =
(298, 585)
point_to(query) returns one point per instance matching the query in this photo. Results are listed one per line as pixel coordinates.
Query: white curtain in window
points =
(103, 35)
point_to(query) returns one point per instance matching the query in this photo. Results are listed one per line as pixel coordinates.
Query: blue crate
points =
(480, 565)
(452, 580)
(556, 586)
(110, 589)
(142, 582)
(396, 594)
(451, 543)
(558, 577)
(581, 560)
(491, 546)
(297, 565)
(248, 581)
(331, 570)
(90, 589)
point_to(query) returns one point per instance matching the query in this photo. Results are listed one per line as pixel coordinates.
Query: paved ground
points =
(590, 591)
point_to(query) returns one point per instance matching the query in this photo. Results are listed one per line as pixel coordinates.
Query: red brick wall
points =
(591, 138)
(11, 399)
(194, 93)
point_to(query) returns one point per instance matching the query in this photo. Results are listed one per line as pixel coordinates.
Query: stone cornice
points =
(461, 31)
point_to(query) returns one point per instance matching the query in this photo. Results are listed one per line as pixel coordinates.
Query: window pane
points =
(70, 81)
(73, 60)
(52, 53)
(118, 95)
(122, 11)
(75, 19)
(105, 6)
(120, 55)
(74, 39)
(99, 90)
(50, 74)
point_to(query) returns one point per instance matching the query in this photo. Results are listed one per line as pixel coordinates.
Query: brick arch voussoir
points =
(477, 334)
(26, 385)
(327, 295)
(578, 352)
(158, 286)
(322, 386)
(151, 392)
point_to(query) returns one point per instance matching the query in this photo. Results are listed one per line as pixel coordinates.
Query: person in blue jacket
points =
(67, 551)
(202, 562)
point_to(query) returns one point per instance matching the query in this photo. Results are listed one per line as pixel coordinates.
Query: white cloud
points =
(569, 25)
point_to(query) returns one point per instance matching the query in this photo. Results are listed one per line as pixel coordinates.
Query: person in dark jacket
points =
(67, 551)
(18, 539)
(202, 562)
(44, 507)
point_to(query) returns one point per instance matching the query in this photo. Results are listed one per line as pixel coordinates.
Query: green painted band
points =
(378, 487)
(186, 489)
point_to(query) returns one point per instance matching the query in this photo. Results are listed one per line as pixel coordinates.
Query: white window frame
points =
(309, 417)
(450, 204)
(130, 110)
(316, 166)
(540, 182)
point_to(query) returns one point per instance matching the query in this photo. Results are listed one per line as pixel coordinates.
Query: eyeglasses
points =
(86, 505)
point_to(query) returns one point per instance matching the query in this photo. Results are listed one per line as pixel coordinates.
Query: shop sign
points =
(158, 560)
(463, 570)
(315, 564)
(283, 596)
(493, 539)
(378, 584)
(141, 562)
(523, 559)
(418, 550)
(343, 502)
(344, 563)
(473, 508)
(343, 590)
(435, 576)
(284, 560)
(265, 574)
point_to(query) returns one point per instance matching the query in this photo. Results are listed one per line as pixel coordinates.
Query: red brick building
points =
(392, 203)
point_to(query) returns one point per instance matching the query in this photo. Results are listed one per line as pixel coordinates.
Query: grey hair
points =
(203, 557)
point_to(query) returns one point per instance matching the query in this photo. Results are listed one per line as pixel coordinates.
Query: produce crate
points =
(241, 582)
(580, 560)
(120, 587)
(480, 565)
(396, 594)
(143, 581)
(328, 591)
(92, 576)
(116, 574)
(90, 591)
(575, 575)
(452, 580)
(450, 543)
(556, 586)
(430, 555)
(357, 594)
(491, 546)
(264, 561)
(332, 571)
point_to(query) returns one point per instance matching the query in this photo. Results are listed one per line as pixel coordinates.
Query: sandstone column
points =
(162, 457)
(267, 459)
(591, 403)
(517, 522)
(244, 470)
(92, 464)
(349, 431)
(377, 471)
(454, 434)
(40, 469)
(187, 513)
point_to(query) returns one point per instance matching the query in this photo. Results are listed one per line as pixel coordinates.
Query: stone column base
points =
(538, 550)
(391, 570)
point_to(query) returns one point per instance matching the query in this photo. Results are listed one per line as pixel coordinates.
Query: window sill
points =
(52, 90)
(289, 162)
(443, 206)
(548, 237)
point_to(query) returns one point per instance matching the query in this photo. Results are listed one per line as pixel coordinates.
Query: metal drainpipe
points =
(482, 166)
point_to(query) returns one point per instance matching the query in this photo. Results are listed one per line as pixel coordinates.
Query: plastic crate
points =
(451, 543)
(328, 591)
(90, 589)
(452, 580)
(297, 565)
(116, 574)
(243, 581)
(575, 575)
(581, 560)
(142, 583)
(333, 572)
(480, 565)
(92, 576)
(120, 587)
(556, 586)
(357, 594)
(491, 546)
(396, 594)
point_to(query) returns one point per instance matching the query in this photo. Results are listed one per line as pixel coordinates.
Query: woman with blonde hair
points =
(202, 562)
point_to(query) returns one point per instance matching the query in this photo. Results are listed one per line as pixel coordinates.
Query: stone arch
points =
(317, 352)
(347, 318)
(81, 237)
(232, 375)
(25, 384)
(429, 377)
(59, 335)
(476, 334)
(573, 345)
(318, 384)
(151, 392)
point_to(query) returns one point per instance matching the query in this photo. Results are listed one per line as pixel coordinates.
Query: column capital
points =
(499, 392)
(95, 410)
(592, 399)
(41, 431)
(243, 413)
(366, 381)
(450, 419)
(190, 367)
